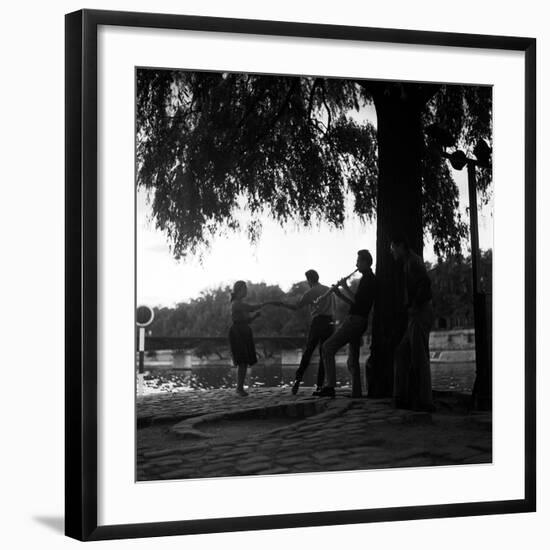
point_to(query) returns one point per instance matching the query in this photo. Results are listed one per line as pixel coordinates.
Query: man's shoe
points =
(295, 387)
(317, 391)
(327, 392)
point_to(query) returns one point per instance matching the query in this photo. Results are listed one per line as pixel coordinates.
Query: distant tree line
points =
(210, 313)
(452, 289)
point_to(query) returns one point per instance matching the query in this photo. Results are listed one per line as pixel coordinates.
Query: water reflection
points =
(445, 376)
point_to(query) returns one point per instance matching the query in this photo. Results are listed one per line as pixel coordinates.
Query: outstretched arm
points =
(293, 307)
(255, 316)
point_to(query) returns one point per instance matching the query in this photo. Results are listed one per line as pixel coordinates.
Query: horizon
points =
(228, 286)
(280, 256)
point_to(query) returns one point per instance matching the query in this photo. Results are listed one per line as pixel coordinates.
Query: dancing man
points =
(353, 327)
(321, 303)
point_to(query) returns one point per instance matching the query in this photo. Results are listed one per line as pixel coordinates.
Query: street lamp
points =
(441, 139)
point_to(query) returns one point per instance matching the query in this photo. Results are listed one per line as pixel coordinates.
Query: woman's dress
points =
(241, 340)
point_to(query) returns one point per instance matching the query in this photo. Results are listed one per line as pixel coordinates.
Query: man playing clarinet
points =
(353, 327)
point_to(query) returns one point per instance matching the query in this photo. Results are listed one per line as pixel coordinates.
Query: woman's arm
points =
(293, 307)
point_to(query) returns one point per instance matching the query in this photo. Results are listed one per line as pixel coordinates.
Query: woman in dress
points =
(241, 339)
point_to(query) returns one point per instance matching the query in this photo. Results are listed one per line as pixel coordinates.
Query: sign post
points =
(144, 317)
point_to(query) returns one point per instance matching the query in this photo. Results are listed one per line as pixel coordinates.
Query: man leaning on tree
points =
(412, 376)
(353, 327)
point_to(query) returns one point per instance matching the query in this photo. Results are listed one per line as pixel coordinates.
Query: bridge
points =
(157, 343)
(440, 340)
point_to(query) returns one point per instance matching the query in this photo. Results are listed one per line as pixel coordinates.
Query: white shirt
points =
(325, 306)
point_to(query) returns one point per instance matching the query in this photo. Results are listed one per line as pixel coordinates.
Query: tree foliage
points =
(208, 140)
(466, 113)
(452, 287)
(293, 148)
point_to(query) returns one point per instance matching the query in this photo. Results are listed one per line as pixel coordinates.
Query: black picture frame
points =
(81, 394)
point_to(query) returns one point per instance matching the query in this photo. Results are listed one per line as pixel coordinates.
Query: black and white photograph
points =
(314, 267)
(275, 275)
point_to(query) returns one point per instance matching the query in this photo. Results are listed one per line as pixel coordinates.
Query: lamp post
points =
(482, 391)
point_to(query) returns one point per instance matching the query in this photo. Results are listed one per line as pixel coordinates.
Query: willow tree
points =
(294, 149)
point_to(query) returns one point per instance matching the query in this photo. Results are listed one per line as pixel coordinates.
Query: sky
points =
(281, 255)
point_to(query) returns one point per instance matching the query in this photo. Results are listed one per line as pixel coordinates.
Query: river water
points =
(445, 376)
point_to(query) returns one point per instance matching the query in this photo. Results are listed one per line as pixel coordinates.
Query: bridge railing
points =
(157, 343)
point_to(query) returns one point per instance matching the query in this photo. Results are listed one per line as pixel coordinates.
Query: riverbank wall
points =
(446, 346)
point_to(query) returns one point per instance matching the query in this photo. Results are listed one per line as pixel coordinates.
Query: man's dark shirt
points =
(417, 282)
(364, 297)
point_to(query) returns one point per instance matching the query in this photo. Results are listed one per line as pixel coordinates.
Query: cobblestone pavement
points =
(215, 433)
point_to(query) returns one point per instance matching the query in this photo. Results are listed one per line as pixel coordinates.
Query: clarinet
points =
(331, 289)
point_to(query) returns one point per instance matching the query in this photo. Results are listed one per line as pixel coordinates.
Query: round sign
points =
(144, 316)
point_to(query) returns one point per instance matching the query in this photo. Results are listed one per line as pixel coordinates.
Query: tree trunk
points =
(399, 210)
